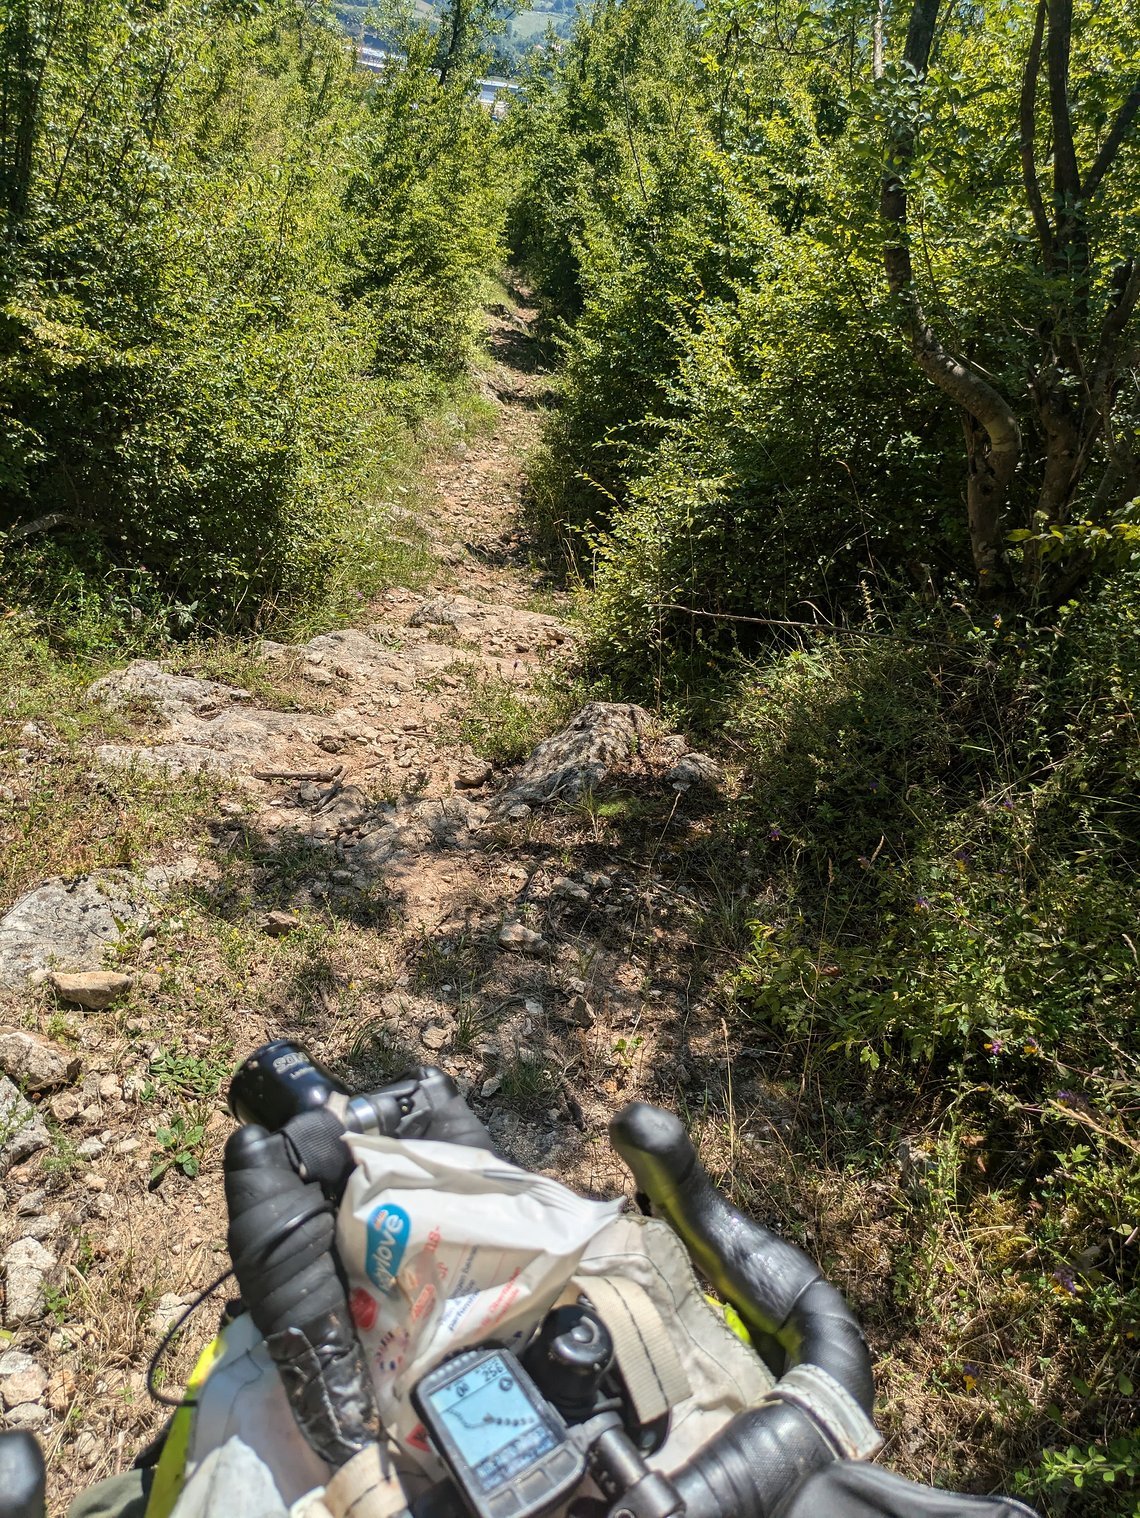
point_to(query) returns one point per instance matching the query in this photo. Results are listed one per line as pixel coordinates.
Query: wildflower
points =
(774, 834)
(874, 787)
(1031, 1046)
(921, 904)
(995, 1045)
(997, 620)
(1006, 804)
(864, 862)
(1075, 1100)
(1064, 1282)
(970, 1376)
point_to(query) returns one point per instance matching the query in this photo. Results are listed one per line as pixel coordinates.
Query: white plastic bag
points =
(448, 1247)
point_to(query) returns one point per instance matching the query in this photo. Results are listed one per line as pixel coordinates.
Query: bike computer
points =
(508, 1450)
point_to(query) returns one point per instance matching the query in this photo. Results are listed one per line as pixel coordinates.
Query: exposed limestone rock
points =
(474, 620)
(231, 741)
(69, 924)
(694, 769)
(37, 1063)
(474, 774)
(579, 757)
(146, 683)
(25, 1384)
(22, 1130)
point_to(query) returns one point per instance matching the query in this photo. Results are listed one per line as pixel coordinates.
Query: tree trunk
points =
(993, 438)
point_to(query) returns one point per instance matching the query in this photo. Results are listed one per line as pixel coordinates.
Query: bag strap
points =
(650, 1365)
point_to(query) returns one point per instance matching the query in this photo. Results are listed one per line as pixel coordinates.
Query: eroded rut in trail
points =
(373, 882)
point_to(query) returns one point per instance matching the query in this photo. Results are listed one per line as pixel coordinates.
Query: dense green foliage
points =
(234, 270)
(937, 830)
(703, 203)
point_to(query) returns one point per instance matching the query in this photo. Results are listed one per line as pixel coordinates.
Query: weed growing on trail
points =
(178, 1143)
(529, 1085)
(503, 724)
(186, 1075)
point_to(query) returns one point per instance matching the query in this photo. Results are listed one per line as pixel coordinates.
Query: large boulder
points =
(70, 924)
(578, 758)
(144, 683)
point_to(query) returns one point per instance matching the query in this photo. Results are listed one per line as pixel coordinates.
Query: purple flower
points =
(1064, 1282)
(921, 904)
(995, 1045)
(774, 834)
(1031, 1046)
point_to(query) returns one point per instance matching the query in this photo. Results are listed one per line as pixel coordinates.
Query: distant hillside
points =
(523, 31)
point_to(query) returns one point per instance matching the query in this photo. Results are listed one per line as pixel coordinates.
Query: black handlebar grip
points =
(280, 1241)
(23, 1476)
(754, 1464)
(775, 1287)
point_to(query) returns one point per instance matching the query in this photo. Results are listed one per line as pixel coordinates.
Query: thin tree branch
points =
(1028, 123)
(1114, 141)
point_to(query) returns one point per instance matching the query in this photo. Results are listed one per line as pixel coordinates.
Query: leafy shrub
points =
(210, 334)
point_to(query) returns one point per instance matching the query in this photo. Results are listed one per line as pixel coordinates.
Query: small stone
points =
(31, 1202)
(29, 1415)
(66, 1106)
(490, 1086)
(90, 1149)
(693, 769)
(88, 1449)
(278, 924)
(27, 1385)
(596, 880)
(127, 1146)
(94, 1182)
(94, 989)
(520, 939)
(149, 982)
(37, 1063)
(22, 1129)
(167, 1310)
(473, 775)
(14, 1362)
(111, 1088)
(570, 890)
(318, 676)
(230, 808)
(45, 1226)
(61, 1389)
(331, 743)
(578, 1012)
(24, 1266)
(518, 813)
(535, 1008)
(434, 1037)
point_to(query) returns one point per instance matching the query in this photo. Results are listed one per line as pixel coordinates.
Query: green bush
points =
(210, 335)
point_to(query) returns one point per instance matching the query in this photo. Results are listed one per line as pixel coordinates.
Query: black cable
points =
(155, 1394)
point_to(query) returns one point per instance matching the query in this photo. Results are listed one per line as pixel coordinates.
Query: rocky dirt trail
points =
(374, 877)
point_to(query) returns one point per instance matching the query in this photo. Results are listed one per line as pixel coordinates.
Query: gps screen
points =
(492, 1421)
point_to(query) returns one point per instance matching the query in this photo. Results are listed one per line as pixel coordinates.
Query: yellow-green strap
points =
(171, 1471)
